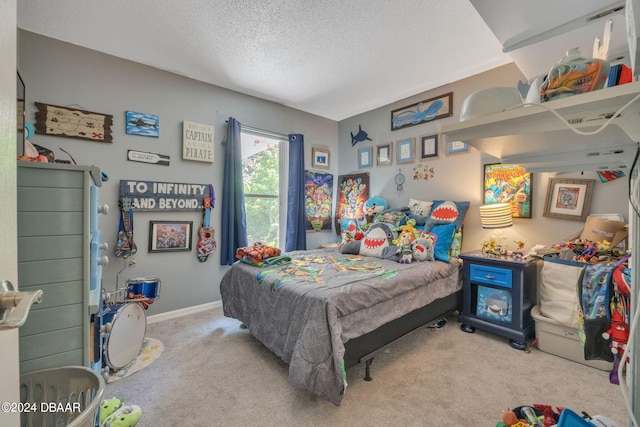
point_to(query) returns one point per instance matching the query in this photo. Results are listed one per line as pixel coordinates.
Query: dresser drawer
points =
(494, 276)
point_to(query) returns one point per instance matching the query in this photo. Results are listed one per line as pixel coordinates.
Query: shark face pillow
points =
(377, 242)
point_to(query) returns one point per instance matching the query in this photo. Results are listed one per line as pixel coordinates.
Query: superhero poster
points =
(504, 183)
(318, 200)
(353, 191)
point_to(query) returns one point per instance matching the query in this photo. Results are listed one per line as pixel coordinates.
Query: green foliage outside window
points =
(261, 184)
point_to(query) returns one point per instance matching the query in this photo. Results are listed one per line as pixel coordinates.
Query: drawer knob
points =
(490, 276)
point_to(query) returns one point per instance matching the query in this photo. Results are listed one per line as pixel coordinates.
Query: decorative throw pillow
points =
(377, 242)
(441, 237)
(447, 212)
(395, 218)
(456, 243)
(418, 207)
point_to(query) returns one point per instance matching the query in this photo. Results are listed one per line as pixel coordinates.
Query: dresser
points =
(498, 294)
(60, 253)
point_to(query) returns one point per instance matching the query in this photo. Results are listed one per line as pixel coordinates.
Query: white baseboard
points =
(182, 312)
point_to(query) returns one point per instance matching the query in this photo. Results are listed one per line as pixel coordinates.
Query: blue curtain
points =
(234, 219)
(296, 237)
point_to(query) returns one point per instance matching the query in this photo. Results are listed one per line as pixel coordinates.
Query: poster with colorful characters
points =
(318, 200)
(353, 191)
(504, 183)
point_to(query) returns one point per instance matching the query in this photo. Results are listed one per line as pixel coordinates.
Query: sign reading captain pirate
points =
(197, 142)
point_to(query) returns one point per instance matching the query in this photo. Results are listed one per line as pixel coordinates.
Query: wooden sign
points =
(163, 196)
(73, 123)
(197, 142)
(144, 157)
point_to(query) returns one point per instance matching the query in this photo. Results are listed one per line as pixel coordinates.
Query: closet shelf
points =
(534, 137)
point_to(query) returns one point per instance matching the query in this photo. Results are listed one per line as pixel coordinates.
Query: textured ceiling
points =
(333, 58)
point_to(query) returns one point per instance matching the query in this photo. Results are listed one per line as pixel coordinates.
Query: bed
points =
(325, 311)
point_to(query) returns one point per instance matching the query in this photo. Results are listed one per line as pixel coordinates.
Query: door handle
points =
(15, 305)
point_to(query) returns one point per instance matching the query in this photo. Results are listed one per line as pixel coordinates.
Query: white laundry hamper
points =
(67, 396)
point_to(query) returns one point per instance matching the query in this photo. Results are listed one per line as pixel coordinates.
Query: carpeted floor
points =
(151, 349)
(213, 373)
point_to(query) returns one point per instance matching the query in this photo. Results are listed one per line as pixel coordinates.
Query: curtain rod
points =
(262, 132)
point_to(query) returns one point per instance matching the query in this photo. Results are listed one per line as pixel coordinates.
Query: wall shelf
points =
(534, 137)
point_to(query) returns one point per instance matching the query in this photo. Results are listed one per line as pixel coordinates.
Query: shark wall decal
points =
(360, 136)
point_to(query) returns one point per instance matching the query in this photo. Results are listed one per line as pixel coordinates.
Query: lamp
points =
(495, 216)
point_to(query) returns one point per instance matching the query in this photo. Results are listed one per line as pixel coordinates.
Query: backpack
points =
(594, 314)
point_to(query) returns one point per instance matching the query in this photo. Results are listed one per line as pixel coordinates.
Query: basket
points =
(67, 396)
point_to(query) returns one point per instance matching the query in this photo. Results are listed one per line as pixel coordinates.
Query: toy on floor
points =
(108, 407)
(125, 416)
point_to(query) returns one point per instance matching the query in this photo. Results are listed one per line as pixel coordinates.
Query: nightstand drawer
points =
(494, 276)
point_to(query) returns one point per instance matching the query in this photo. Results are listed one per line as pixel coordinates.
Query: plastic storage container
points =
(562, 340)
(68, 396)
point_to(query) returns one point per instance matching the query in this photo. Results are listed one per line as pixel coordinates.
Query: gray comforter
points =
(306, 310)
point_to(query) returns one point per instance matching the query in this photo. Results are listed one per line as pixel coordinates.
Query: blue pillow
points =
(441, 237)
(447, 212)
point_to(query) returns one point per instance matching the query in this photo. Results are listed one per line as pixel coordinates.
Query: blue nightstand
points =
(498, 294)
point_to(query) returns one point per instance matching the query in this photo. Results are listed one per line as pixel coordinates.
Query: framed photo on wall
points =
(364, 158)
(170, 236)
(456, 147)
(429, 146)
(384, 154)
(406, 150)
(506, 183)
(568, 198)
(320, 157)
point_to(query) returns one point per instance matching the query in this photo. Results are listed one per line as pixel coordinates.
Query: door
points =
(9, 360)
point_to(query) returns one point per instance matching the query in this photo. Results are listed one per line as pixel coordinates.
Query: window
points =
(263, 177)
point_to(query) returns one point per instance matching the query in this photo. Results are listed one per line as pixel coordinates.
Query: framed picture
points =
(143, 124)
(170, 236)
(568, 198)
(364, 157)
(429, 146)
(505, 183)
(456, 147)
(406, 150)
(320, 157)
(423, 111)
(384, 154)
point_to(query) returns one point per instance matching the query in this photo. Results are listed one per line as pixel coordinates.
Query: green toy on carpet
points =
(113, 413)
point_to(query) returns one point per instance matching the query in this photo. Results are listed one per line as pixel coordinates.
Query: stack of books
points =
(619, 74)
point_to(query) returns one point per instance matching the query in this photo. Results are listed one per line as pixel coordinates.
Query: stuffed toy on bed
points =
(422, 249)
(377, 242)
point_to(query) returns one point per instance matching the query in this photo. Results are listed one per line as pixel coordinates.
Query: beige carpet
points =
(213, 373)
(151, 349)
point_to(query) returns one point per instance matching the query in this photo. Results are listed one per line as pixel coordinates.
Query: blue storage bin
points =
(568, 418)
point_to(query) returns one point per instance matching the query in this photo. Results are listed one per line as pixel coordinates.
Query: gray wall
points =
(460, 177)
(67, 75)
(63, 74)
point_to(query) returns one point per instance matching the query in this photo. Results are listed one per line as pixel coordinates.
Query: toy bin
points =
(67, 396)
(561, 340)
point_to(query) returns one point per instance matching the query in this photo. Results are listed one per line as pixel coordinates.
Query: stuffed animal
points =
(372, 206)
(618, 332)
(376, 242)
(422, 249)
(404, 245)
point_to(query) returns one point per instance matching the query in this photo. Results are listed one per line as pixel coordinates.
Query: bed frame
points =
(365, 347)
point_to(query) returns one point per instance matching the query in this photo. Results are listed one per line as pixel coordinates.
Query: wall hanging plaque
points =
(163, 196)
(143, 124)
(423, 111)
(197, 142)
(72, 123)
